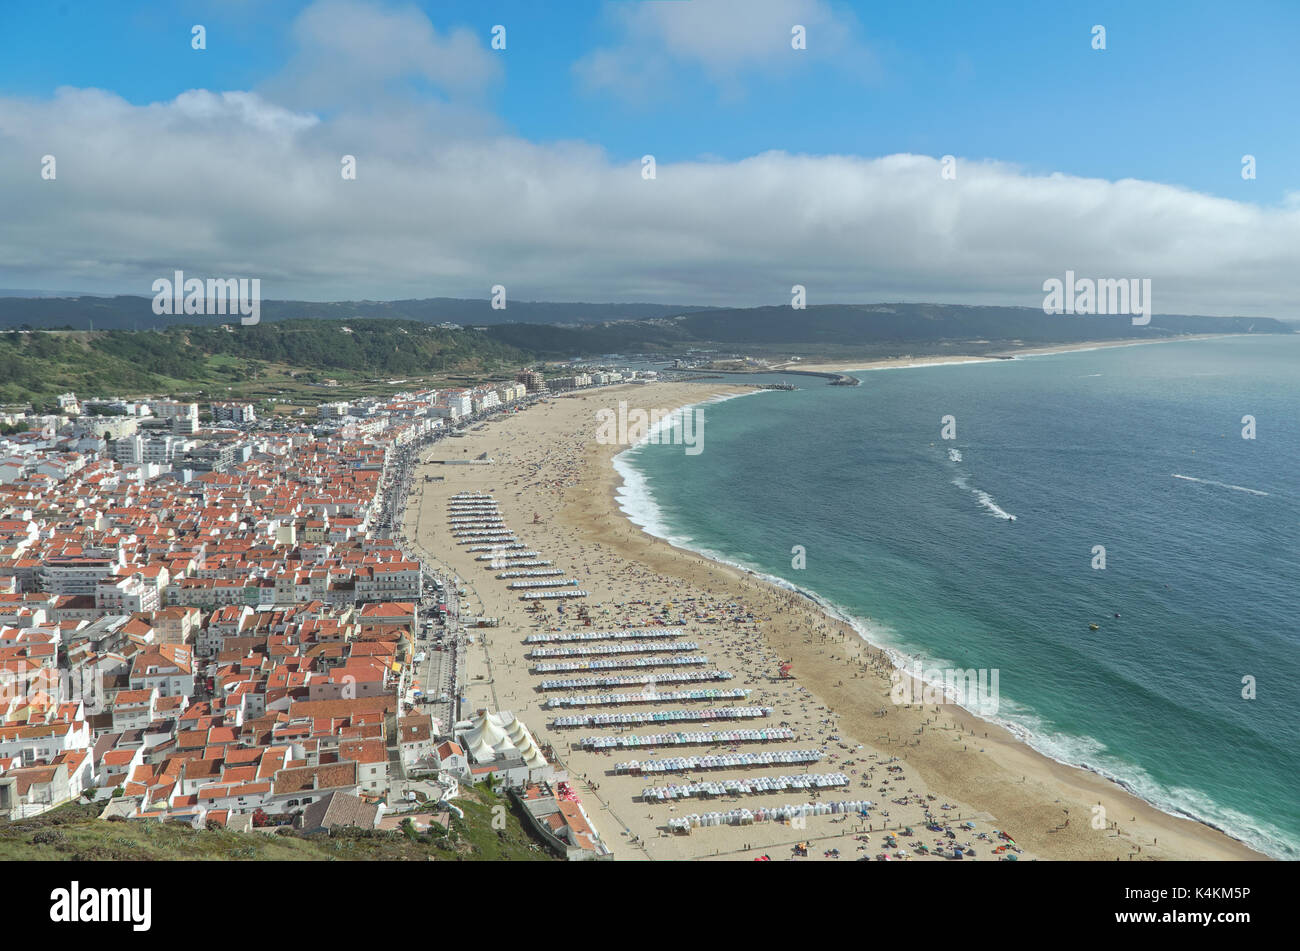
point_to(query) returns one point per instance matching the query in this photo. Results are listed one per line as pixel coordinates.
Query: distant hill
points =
(40, 365)
(278, 355)
(834, 326)
(136, 313)
(36, 292)
(602, 328)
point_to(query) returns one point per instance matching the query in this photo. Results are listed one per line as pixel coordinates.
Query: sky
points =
(524, 166)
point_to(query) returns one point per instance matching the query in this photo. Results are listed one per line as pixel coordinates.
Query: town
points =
(216, 621)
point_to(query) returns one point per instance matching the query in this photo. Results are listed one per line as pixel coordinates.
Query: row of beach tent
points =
(648, 647)
(618, 699)
(774, 735)
(711, 714)
(745, 787)
(630, 680)
(627, 634)
(549, 595)
(620, 663)
(744, 817)
(679, 764)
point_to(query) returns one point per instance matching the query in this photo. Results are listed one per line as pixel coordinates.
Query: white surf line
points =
(1222, 485)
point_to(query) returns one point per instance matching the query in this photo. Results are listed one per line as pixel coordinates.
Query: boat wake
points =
(1222, 485)
(984, 499)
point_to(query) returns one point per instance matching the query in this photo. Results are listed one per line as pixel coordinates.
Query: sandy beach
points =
(938, 359)
(555, 487)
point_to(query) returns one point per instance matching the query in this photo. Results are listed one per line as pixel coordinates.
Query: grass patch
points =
(76, 833)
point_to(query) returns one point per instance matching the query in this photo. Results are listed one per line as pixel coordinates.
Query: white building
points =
(233, 413)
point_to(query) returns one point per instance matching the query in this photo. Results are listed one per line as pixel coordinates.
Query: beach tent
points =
(494, 735)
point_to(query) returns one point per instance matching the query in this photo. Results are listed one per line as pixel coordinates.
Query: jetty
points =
(836, 379)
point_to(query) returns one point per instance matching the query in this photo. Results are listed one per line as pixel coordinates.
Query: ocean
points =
(1110, 487)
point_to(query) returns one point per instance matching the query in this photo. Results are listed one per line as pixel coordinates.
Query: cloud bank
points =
(446, 203)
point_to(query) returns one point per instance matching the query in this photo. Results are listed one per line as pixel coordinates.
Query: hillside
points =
(129, 312)
(253, 361)
(75, 833)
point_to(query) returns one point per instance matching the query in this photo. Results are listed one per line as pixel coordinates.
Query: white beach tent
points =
(502, 734)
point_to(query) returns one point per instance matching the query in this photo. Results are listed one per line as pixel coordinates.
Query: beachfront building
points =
(511, 392)
(564, 384)
(532, 380)
(485, 400)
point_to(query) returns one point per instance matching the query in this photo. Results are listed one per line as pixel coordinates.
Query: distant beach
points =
(938, 360)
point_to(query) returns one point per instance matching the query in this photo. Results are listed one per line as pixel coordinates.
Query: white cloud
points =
(727, 39)
(350, 52)
(245, 184)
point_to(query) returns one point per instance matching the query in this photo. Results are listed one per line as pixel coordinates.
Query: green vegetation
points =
(75, 832)
(297, 358)
(848, 331)
(303, 362)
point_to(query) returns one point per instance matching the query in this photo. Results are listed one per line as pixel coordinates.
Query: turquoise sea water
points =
(1136, 449)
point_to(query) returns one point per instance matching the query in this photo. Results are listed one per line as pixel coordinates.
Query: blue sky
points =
(1125, 161)
(1182, 91)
